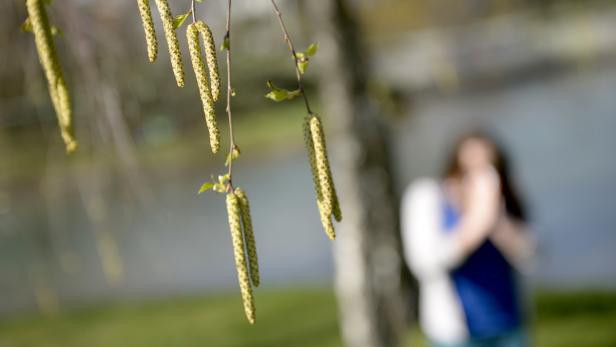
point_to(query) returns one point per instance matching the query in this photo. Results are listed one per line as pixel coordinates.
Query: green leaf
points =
(312, 49)
(225, 44)
(199, 1)
(223, 179)
(302, 65)
(279, 94)
(26, 26)
(180, 19)
(293, 94)
(205, 187)
(234, 154)
(220, 188)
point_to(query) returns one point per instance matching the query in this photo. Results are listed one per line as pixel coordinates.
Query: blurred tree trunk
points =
(369, 275)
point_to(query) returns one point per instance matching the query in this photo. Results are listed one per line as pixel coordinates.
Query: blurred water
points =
(559, 130)
(182, 246)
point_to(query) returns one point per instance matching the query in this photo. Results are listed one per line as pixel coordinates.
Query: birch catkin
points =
(172, 41)
(327, 200)
(323, 167)
(322, 163)
(148, 27)
(192, 36)
(326, 220)
(53, 72)
(249, 236)
(234, 212)
(310, 152)
(210, 57)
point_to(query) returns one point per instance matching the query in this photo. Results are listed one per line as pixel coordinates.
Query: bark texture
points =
(370, 283)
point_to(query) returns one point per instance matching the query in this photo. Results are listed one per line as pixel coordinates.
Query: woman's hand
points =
(481, 211)
(515, 242)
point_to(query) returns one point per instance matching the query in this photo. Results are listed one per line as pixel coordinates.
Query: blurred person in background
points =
(465, 240)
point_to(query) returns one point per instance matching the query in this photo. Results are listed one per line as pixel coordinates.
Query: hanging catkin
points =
(322, 163)
(249, 236)
(326, 220)
(234, 212)
(172, 41)
(53, 72)
(310, 153)
(210, 57)
(192, 36)
(148, 27)
(323, 168)
(327, 200)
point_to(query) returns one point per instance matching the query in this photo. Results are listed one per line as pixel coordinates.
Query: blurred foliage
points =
(145, 91)
(103, 42)
(258, 132)
(383, 18)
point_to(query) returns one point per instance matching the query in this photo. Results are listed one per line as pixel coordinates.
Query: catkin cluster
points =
(209, 87)
(327, 199)
(238, 210)
(172, 39)
(53, 72)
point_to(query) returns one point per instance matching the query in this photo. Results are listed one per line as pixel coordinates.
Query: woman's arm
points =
(427, 248)
(516, 243)
(481, 214)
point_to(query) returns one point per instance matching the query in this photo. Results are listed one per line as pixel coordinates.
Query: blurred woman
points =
(464, 236)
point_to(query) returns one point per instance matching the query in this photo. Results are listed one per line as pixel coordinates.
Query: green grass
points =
(296, 318)
(564, 320)
(576, 319)
(284, 318)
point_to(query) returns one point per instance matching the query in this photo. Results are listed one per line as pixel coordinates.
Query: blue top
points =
(486, 286)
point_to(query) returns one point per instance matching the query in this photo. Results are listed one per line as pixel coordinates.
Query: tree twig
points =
(227, 45)
(287, 39)
(192, 10)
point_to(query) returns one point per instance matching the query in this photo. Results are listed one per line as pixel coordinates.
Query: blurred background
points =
(112, 246)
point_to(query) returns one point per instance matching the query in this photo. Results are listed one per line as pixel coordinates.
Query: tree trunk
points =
(368, 262)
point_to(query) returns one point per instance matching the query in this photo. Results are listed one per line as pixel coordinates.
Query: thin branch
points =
(287, 39)
(227, 44)
(192, 10)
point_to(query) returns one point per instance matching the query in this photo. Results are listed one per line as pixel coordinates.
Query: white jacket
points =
(429, 254)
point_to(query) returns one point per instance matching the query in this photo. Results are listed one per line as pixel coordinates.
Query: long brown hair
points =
(513, 203)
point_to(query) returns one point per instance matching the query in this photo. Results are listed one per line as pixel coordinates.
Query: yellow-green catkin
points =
(323, 166)
(210, 57)
(172, 41)
(192, 36)
(322, 163)
(234, 213)
(310, 153)
(326, 220)
(327, 200)
(148, 27)
(58, 90)
(249, 236)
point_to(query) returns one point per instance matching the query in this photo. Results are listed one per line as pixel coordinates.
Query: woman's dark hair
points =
(513, 203)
